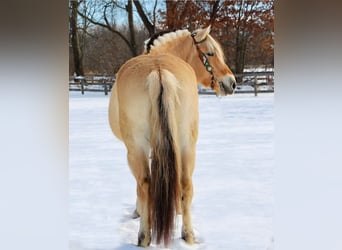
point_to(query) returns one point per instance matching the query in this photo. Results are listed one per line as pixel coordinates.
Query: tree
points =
(77, 60)
(129, 9)
(263, 39)
(181, 14)
(214, 11)
(101, 14)
(97, 14)
(243, 27)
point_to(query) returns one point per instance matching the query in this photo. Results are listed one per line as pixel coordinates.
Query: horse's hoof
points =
(144, 240)
(188, 237)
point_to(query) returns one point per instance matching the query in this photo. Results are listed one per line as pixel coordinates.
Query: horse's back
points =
(138, 68)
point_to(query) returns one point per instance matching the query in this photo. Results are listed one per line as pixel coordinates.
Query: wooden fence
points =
(255, 82)
(248, 82)
(91, 83)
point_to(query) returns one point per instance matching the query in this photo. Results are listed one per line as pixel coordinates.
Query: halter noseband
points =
(204, 59)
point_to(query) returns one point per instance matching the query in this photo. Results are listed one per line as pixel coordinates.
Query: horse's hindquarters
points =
(113, 113)
(158, 90)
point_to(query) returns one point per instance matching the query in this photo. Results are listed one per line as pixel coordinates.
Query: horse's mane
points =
(149, 42)
(215, 47)
(163, 37)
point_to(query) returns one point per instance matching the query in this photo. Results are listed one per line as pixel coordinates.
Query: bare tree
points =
(93, 14)
(113, 33)
(148, 24)
(129, 9)
(78, 66)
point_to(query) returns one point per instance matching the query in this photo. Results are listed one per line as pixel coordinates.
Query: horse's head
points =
(209, 65)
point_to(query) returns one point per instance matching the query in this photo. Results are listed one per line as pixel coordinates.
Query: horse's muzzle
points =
(227, 85)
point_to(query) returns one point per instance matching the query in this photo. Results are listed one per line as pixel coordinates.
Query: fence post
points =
(105, 86)
(82, 87)
(255, 86)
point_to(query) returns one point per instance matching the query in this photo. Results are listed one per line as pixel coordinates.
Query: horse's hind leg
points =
(138, 162)
(188, 163)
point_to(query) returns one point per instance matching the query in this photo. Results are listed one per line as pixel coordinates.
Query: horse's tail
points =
(165, 164)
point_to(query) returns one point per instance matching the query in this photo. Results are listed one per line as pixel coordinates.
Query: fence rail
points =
(248, 82)
(91, 83)
(255, 82)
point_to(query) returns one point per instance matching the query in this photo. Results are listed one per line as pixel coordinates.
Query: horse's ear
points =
(201, 34)
(208, 29)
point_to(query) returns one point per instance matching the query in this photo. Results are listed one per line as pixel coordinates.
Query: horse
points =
(153, 110)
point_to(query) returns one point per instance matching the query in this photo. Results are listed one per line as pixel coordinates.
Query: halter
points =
(204, 59)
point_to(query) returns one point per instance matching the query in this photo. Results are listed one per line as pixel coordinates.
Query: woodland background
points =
(103, 34)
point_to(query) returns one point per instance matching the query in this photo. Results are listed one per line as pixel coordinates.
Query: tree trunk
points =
(129, 9)
(240, 58)
(74, 39)
(213, 13)
(238, 69)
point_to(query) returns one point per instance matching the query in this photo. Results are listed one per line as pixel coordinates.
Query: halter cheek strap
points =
(197, 42)
(204, 59)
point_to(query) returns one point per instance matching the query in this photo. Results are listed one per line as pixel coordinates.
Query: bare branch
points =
(108, 26)
(115, 3)
(214, 12)
(149, 26)
(154, 13)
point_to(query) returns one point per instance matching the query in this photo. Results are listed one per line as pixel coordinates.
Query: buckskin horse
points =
(153, 109)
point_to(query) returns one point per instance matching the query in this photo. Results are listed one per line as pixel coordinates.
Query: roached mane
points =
(162, 38)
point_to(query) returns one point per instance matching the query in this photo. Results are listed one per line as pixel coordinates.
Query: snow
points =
(233, 179)
(258, 69)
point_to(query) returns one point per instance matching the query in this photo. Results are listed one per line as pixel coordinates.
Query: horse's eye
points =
(210, 54)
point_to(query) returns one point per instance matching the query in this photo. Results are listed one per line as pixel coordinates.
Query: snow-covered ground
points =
(233, 199)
